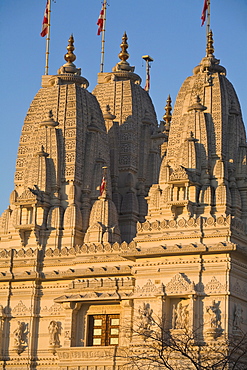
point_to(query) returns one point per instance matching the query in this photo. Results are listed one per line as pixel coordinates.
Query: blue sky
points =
(169, 31)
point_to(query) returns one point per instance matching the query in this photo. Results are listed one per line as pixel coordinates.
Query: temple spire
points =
(167, 116)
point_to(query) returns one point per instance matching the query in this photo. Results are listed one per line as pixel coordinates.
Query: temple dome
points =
(103, 222)
(133, 138)
(216, 124)
(203, 173)
(63, 146)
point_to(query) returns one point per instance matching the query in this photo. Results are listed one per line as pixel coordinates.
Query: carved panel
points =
(20, 309)
(179, 285)
(149, 289)
(55, 309)
(214, 286)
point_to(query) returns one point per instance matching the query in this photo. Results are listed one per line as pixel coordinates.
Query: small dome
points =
(103, 222)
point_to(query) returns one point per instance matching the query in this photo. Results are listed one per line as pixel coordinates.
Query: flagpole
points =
(47, 52)
(208, 19)
(103, 39)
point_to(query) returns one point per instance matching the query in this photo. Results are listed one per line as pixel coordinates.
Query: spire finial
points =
(70, 56)
(123, 55)
(197, 105)
(210, 44)
(49, 121)
(167, 116)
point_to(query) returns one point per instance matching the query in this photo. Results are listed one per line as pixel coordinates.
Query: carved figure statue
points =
(214, 314)
(145, 320)
(237, 318)
(180, 316)
(54, 331)
(19, 334)
(1, 319)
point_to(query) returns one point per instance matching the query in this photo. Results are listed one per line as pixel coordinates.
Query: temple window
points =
(26, 215)
(179, 193)
(103, 330)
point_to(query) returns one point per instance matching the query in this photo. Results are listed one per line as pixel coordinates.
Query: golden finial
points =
(167, 116)
(210, 44)
(70, 56)
(123, 55)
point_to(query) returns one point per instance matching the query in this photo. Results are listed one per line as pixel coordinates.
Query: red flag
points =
(100, 21)
(44, 29)
(204, 12)
(102, 185)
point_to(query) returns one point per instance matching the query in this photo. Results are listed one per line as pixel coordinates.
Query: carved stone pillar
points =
(2, 316)
(193, 322)
(126, 321)
(71, 309)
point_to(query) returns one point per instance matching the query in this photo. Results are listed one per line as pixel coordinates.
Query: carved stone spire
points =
(168, 108)
(103, 222)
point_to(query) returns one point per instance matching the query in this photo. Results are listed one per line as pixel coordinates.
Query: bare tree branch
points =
(155, 345)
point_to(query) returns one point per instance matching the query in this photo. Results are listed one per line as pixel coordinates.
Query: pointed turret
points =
(135, 147)
(63, 141)
(199, 180)
(168, 108)
(209, 63)
(165, 125)
(103, 222)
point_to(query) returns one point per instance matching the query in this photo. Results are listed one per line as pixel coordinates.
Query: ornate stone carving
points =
(214, 319)
(179, 284)
(179, 174)
(239, 290)
(43, 234)
(149, 289)
(237, 317)
(180, 316)
(20, 336)
(20, 309)
(55, 309)
(214, 286)
(54, 331)
(145, 321)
